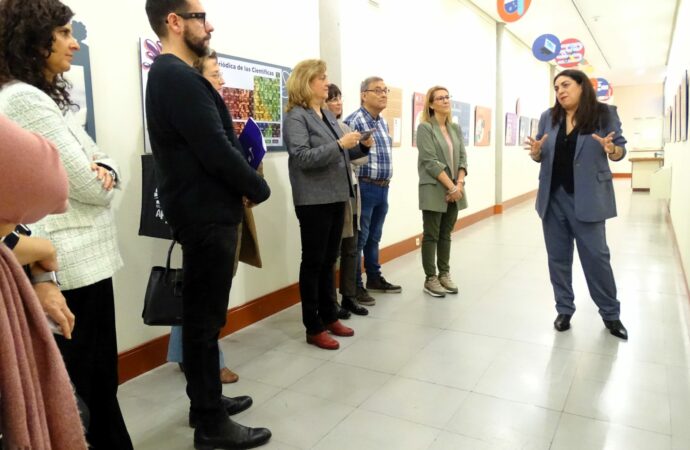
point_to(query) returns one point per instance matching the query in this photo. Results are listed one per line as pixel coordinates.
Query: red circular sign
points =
(572, 53)
(512, 10)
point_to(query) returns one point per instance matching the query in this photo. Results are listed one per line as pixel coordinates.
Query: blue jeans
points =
(175, 347)
(374, 210)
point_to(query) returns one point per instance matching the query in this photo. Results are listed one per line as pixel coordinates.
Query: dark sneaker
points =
(363, 297)
(381, 285)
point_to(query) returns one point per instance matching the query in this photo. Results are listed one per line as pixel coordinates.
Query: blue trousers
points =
(561, 228)
(175, 347)
(374, 210)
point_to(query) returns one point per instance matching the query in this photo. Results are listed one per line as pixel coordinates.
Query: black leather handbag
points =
(163, 300)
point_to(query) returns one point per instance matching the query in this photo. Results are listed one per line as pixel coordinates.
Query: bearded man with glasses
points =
(202, 176)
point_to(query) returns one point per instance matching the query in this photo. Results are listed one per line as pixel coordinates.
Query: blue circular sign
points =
(546, 47)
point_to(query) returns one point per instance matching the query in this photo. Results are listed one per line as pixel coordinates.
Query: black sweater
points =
(201, 169)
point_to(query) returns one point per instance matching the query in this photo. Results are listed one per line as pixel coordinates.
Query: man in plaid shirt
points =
(374, 178)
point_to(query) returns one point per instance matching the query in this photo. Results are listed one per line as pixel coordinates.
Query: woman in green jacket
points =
(442, 167)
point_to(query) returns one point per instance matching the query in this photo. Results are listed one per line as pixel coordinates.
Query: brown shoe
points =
(339, 329)
(323, 340)
(227, 376)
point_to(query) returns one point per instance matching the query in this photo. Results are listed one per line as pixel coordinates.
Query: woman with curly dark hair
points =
(36, 48)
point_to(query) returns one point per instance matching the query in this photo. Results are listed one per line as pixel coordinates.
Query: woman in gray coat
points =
(442, 166)
(318, 164)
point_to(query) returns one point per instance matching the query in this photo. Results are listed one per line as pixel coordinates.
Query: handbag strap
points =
(167, 261)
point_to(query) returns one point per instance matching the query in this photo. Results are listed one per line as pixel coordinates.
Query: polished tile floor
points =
(480, 370)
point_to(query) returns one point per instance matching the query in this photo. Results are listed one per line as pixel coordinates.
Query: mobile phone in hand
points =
(365, 134)
(54, 328)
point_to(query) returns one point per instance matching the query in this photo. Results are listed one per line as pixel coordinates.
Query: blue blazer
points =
(594, 197)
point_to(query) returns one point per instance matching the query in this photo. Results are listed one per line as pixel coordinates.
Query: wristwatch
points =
(10, 240)
(45, 277)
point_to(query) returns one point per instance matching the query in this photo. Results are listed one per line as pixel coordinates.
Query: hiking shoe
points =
(433, 287)
(447, 283)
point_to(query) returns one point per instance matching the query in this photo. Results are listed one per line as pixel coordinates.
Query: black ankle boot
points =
(351, 305)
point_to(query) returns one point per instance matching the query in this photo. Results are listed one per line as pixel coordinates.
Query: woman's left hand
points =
(103, 174)
(606, 142)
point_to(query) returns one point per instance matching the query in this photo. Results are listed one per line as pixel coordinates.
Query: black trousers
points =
(348, 262)
(91, 361)
(208, 256)
(321, 227)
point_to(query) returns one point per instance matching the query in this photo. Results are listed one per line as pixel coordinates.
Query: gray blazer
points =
(319, 170)
(594, 197)
(433, 159)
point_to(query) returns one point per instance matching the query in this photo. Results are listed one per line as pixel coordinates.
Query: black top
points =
(563, 160)
(200, 165)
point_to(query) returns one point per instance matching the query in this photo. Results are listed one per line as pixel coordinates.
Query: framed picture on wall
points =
(534, 128)
(482, 126)
(393, 115)
(417, 107)
(460, 113)
(684, 107)
(524, 129)
(678, 115)
(674, 110)
(511, 129)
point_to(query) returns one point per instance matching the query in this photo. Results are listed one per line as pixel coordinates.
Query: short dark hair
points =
(333, 92)
(158, 10)
(591, 114)
(26, 40)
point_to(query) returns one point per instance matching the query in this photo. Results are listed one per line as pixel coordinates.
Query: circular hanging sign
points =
(512, 10)
(572, 53)
(546, 47)
(602, 88)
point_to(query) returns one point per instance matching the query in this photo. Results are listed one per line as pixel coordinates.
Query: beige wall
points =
(678, 154)
(641, 110)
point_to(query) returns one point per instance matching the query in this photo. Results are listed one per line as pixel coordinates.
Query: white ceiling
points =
(626, 41)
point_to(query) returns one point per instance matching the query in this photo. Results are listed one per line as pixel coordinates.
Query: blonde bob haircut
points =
(427, 112)
(299, 91)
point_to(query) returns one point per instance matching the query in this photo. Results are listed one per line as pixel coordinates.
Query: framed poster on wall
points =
(673, 120)
(684, 107)
(524, 129)
(460, 113)
(79, 76)
(252, 89)
(534, 128)
(678, 116)
(482, 126)
(393, 115)
(417, 107)
(511, 129)
(667, 124)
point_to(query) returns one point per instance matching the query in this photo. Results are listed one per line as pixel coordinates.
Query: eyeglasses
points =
(192, 15)
(443, 98)
(378, 91)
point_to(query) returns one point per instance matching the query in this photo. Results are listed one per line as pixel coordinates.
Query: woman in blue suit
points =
(575, 141)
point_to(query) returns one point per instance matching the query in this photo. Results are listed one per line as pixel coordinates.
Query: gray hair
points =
(365, 84)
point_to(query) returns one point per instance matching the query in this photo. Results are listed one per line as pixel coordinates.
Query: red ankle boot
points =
(339, 329)
(323, 340)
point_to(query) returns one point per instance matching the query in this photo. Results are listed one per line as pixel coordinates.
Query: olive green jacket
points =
(433, 159)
